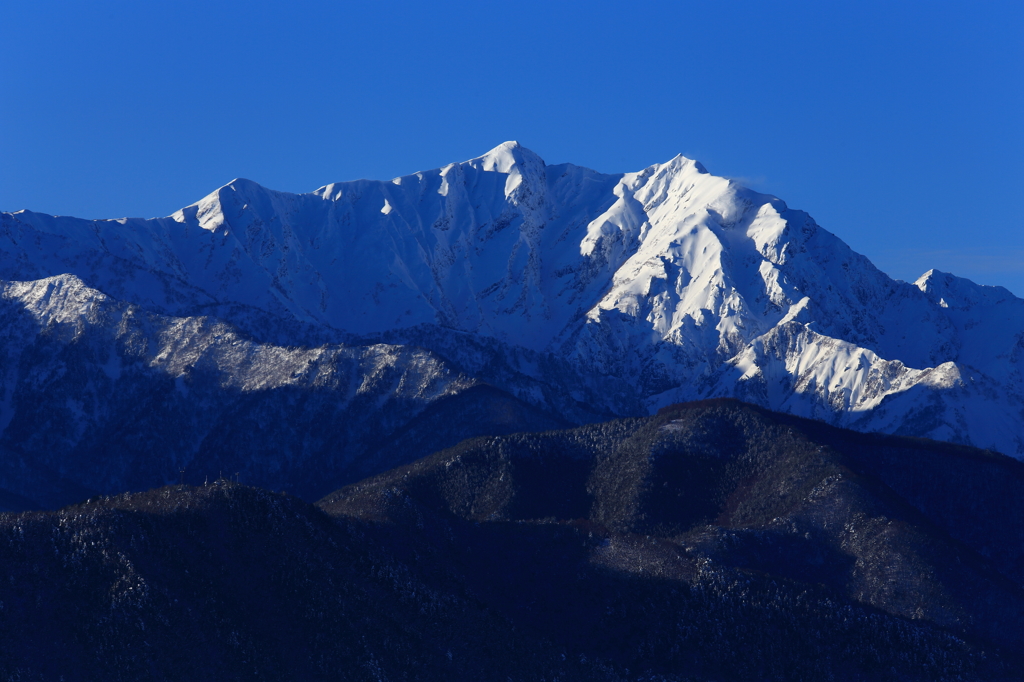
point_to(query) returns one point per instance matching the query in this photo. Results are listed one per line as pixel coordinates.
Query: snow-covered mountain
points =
(101, 396)
(586, 295)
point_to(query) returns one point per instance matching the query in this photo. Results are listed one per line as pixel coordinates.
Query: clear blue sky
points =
(898, 126)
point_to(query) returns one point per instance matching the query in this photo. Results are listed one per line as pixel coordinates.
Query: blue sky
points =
(898, 126)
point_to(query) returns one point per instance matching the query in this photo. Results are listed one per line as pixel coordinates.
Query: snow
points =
(681, 284)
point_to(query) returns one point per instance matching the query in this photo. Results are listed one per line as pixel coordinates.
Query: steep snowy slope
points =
(626, 292)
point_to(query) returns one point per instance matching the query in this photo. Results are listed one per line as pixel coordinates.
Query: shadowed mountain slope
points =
(921, 530)
(225, 582)
(713, 541)
(103, 397)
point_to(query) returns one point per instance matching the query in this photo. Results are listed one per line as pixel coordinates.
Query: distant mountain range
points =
(305, 341)
(712, 542)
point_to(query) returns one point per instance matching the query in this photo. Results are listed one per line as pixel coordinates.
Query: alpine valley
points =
(303, 342)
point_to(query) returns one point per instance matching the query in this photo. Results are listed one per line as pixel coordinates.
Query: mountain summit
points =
(581, 294)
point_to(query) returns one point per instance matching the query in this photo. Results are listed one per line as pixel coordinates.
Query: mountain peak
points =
(243, 186)
(948, 290)
(679, 160)
(506, 156)
(927, 279)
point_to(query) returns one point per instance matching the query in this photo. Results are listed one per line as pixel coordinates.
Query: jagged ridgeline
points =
(294, 339)
(714, 541)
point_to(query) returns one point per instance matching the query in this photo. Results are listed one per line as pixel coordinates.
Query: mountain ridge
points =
(585, 295)
(713, 541)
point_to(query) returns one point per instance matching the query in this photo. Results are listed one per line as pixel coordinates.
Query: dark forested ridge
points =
(713, 541)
